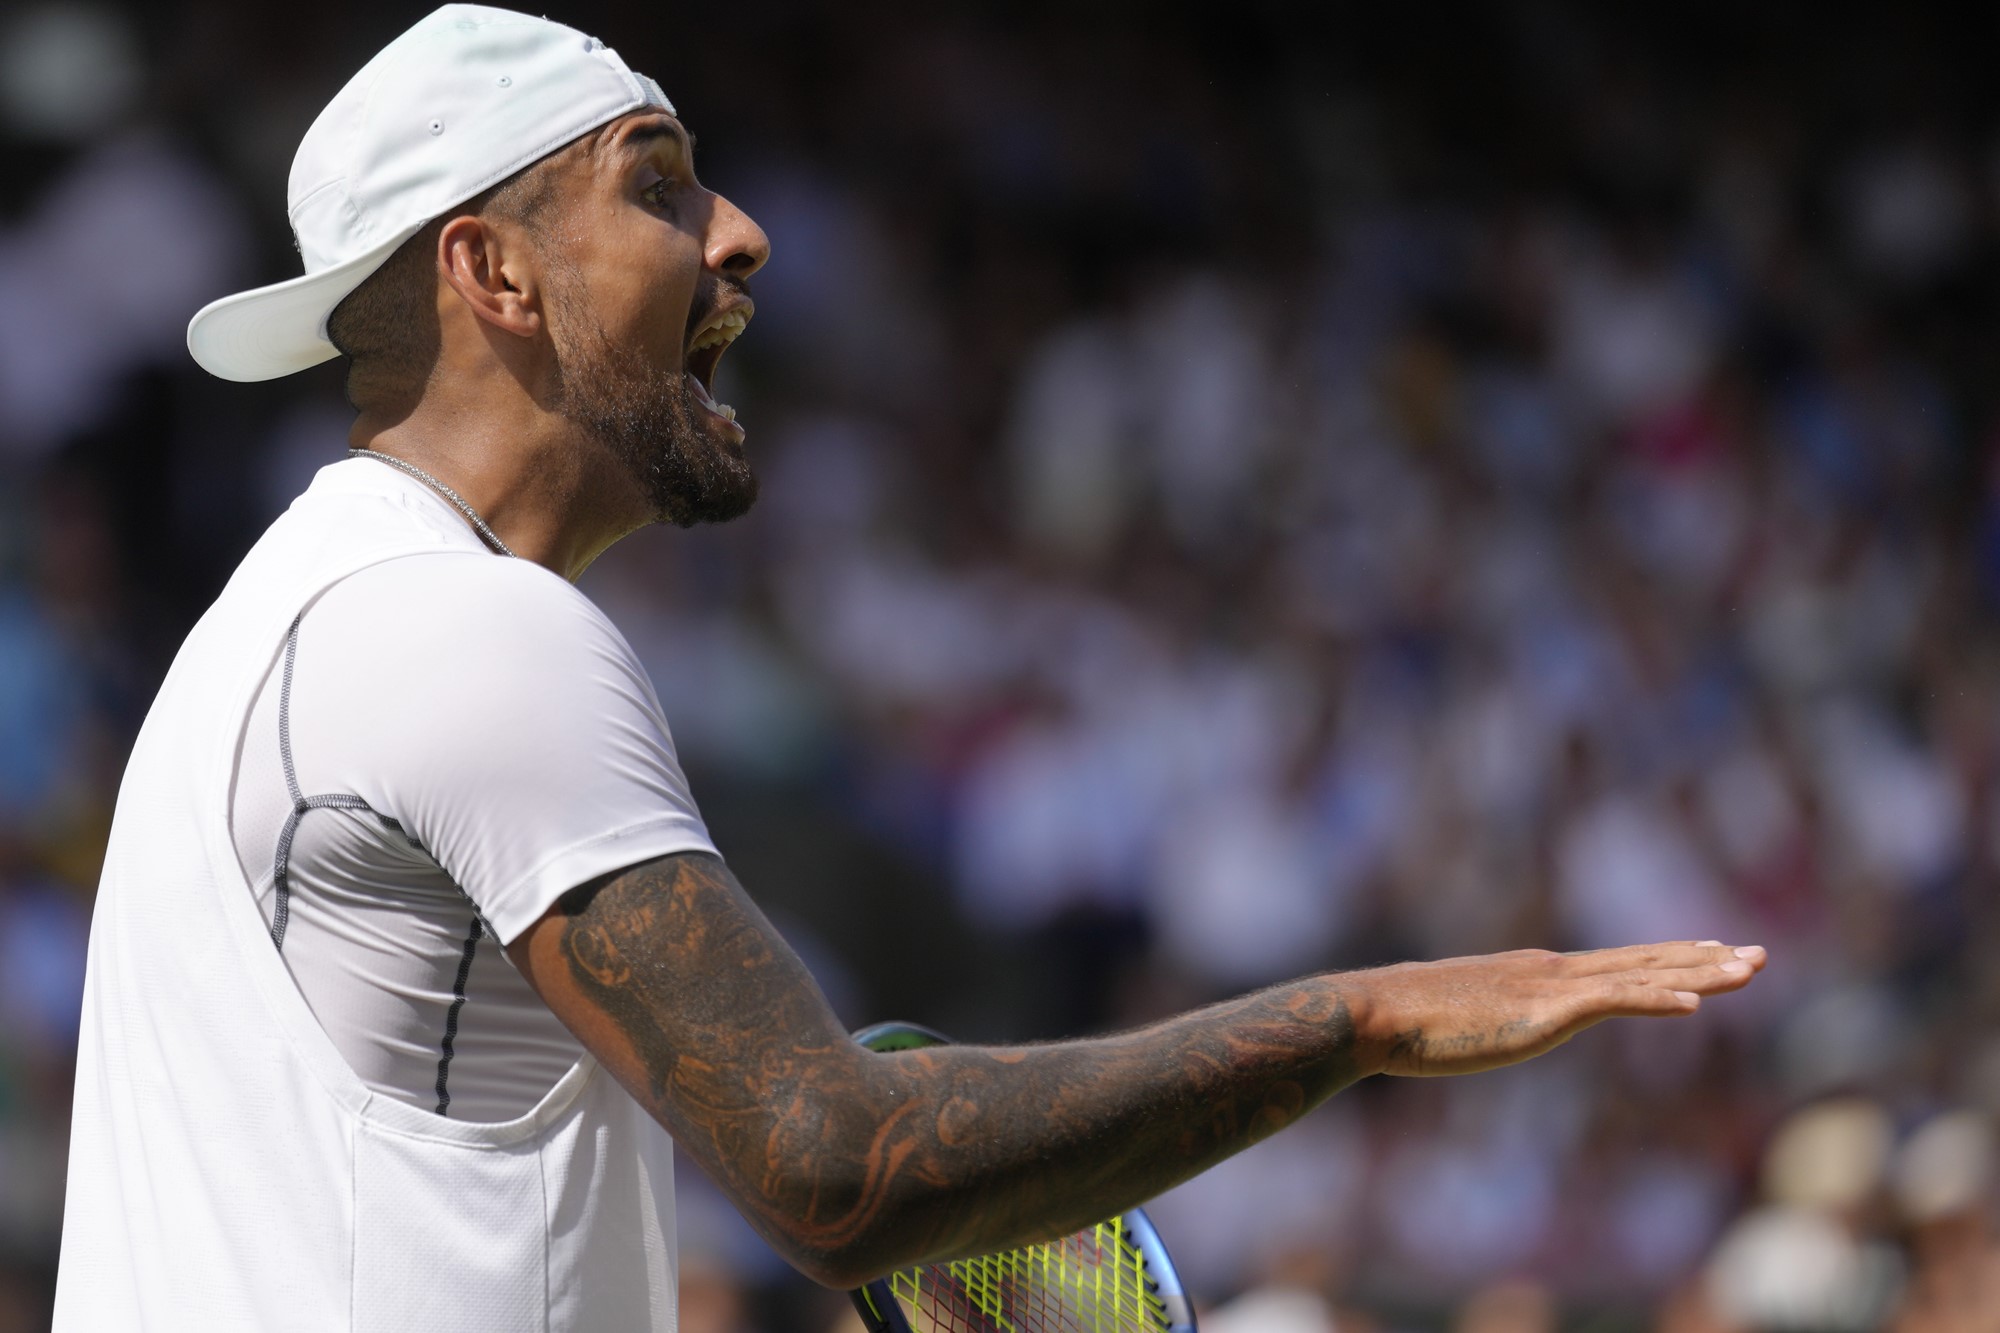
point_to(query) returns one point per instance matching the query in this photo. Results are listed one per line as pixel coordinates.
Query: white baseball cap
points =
(457, 104)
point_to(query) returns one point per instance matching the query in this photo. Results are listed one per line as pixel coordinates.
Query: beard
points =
(646, 417)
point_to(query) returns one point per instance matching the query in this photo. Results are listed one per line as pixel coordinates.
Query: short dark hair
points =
(387, 328)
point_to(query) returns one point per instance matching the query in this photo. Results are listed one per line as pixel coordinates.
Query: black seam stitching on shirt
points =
(472, 937)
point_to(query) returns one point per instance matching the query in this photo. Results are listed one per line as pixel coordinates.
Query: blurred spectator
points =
(1807, 1258)
(1509, 1306)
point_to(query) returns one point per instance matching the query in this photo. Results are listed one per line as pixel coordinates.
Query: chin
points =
(718, 493)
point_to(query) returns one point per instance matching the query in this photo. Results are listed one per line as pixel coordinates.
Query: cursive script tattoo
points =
(852, 1162)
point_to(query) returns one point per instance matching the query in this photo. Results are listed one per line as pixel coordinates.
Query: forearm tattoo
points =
(854, 1162)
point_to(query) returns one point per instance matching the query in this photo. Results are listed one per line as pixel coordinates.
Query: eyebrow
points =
(655, 130)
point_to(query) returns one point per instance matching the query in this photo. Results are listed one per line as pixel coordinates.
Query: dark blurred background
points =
(1248, 489)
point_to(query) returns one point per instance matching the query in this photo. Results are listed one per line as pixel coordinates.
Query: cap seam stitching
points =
(313, 193)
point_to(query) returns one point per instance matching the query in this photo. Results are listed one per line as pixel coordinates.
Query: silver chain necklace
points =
(490, 537)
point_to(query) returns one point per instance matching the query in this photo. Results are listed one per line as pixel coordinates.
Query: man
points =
(412, 949)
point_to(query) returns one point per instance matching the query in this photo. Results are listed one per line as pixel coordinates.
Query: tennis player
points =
(412, 949)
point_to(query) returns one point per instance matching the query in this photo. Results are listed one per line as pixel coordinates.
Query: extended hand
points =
(1462, 1015)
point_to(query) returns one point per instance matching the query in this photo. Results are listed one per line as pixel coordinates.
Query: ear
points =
(492, 270)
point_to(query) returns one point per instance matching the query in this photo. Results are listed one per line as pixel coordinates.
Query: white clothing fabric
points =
(504, 740)
(228, 1168)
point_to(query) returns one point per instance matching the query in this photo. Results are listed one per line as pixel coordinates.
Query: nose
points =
(736, 245)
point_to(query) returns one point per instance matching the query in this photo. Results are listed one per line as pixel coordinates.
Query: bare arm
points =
(853, 1163)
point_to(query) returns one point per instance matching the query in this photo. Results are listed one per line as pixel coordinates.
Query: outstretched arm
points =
(853, 1163)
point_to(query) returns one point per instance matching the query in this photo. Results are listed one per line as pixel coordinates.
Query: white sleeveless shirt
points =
(229, 1168)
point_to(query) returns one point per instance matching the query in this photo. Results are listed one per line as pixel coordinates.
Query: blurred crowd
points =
(1237, 500)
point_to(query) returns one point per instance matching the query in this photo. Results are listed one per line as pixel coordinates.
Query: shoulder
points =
(457, 630)
(460, 600)
(427, 653)
(487, 579)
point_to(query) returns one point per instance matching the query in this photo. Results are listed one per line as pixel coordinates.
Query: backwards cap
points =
(454, 106)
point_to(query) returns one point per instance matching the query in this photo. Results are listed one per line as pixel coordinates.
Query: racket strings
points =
(1094, 1281)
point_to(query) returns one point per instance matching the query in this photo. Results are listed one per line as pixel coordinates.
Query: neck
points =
(550, 496)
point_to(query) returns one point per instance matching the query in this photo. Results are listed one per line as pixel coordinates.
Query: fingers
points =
(1675, 955)
(1708, 979)
(1641, 1002)
(1670, 990)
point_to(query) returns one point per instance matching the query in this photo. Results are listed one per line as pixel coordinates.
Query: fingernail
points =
(1737, 968)
(1689, 996)
(1710, 943)
(1750, 951)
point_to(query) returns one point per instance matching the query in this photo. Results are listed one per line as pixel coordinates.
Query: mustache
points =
(715, 290)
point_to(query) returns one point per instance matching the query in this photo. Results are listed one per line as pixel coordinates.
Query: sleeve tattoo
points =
(853, 1162)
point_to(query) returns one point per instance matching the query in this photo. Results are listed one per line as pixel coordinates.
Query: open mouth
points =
(704, 354)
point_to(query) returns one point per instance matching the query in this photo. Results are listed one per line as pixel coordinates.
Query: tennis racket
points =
(1114, 1277)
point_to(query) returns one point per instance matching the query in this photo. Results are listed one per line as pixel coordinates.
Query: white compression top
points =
(507, 747)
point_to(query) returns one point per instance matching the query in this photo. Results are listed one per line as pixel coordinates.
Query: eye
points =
(657, 193)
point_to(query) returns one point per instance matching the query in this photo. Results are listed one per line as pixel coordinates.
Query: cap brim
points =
(280, 329)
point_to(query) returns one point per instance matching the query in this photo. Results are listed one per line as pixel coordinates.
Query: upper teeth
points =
(720, 333)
